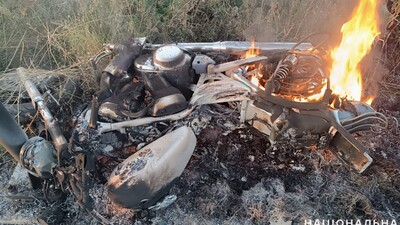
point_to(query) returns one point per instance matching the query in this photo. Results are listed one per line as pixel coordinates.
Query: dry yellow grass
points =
(55, 33)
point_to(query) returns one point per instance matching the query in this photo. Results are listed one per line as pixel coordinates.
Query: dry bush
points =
(55, 33)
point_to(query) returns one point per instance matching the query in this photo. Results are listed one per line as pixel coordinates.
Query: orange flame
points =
(252, 50)
(369, 100)
(357, 36)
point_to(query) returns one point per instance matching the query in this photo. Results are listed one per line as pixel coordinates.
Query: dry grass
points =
(12, 85)
(390, 85)
(56, 33)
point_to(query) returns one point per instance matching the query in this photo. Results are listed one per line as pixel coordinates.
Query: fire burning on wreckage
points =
(298, 94)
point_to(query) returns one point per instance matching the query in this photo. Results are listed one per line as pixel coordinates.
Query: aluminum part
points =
(38, 157)
(361, 118)
(143, 178)
(144, 62)
(140, 40)
(110, 110)
(200, 63)
(349, 150)
(120, 126)
(368, 163)
(125, 53)
(168, 65)
(258, 118)
(168, 56)
(52, 126)
(168, 105)
(360, 108)
(221, 89)
(237, 75)
(234, 64)
(237, 47)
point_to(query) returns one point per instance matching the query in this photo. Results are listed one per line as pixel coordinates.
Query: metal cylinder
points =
(168, 56)
(126, 53)
(238, 47)
(167, 99)
(12, 137)
(59, 141)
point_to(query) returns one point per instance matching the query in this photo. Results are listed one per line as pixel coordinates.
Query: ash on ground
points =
(235, 177)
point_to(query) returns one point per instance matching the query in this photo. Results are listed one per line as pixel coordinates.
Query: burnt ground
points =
(234, 177)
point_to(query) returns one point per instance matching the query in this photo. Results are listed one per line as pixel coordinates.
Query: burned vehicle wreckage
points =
(289, 100)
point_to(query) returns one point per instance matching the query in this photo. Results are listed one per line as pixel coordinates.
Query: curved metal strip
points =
(219, 89)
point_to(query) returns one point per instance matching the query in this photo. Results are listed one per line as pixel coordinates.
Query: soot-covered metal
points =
(148, 92)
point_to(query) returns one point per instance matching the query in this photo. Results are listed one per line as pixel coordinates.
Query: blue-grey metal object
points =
(12, 137)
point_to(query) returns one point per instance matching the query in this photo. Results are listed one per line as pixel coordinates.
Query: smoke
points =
(372, 66)
(287, 20)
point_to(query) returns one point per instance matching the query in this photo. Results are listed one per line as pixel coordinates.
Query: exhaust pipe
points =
(237, 47)
(59, 141)
(36, 154)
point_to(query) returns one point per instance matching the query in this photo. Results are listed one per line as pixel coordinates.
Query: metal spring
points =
(283, 72)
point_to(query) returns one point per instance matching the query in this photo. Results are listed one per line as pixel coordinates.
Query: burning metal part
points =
(284, 91)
